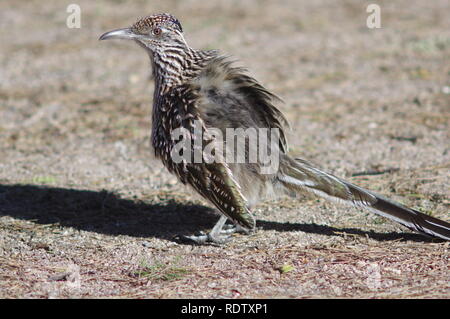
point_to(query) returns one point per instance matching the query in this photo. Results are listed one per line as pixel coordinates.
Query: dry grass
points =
(86, 211)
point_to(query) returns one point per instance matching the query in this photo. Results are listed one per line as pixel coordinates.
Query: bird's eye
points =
(156, 31)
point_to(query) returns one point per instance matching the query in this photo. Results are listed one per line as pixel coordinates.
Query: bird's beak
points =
(125, 33)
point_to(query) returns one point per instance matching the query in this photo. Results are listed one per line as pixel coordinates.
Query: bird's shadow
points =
(107, 213)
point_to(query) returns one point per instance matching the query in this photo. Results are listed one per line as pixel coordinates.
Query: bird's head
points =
(155, 32)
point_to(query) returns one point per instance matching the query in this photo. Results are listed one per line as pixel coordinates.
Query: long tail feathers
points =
(299, 175)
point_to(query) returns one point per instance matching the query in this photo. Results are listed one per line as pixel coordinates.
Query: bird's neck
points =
(174, 66)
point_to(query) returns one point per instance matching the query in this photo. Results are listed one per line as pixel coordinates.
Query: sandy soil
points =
(86, 211)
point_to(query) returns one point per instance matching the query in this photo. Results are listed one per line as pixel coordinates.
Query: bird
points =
(204, 91)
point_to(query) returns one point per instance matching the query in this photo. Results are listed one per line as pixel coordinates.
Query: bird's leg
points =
(231, 229)
(219, 234)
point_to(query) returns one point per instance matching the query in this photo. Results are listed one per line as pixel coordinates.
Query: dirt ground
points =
(87, 212)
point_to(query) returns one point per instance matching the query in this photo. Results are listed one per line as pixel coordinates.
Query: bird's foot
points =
(219, 235)
(205, 238)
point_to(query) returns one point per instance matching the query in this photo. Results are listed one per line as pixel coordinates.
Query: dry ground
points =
(86, 211)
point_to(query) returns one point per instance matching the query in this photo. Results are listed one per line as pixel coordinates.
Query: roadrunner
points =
(202, 89)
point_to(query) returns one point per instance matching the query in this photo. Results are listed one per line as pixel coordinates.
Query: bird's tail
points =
(299, 175)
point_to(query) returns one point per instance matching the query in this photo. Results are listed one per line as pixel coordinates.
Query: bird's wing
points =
(212, 179)
(216, 183)
(240, 101)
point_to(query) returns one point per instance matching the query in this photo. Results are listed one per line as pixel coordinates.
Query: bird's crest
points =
(149, 22)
